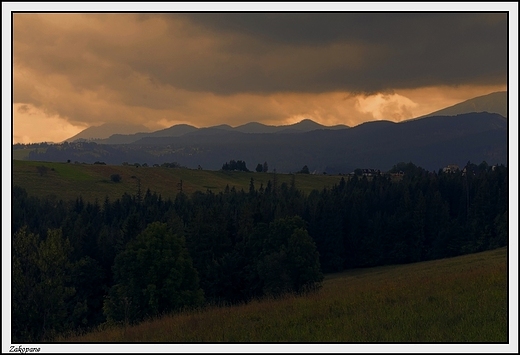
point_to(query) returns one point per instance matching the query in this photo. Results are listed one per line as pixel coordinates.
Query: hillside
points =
(92, 181)
(461, 299)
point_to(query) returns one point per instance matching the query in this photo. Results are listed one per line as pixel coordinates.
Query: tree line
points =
(79, 264)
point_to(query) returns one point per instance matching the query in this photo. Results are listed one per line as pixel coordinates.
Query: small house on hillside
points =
(371, 172)
(366, 172)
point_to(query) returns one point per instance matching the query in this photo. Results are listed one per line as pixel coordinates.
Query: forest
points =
(77, 265)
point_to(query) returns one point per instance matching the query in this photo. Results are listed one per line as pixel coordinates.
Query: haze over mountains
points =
(106, 130)
(431, 142)
(182, 129)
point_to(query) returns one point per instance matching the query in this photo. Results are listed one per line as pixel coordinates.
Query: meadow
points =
(460, 299)
(67, 181)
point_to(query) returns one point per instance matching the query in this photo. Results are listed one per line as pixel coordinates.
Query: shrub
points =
(115, 177)
(42, 170)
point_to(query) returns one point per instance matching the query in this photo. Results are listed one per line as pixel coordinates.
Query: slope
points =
(461, 299)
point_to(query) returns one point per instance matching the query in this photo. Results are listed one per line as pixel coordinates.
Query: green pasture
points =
(68, 181)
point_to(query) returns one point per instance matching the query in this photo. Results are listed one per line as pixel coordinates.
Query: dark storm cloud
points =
(229, 53)
(357, 52)
(319, 28)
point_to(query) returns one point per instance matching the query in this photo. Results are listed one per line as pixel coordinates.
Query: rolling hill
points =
(67, 181)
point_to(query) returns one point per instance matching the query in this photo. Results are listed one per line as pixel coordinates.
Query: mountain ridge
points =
(493, 103)
(182, 129)
(432, 143)
(106, 130)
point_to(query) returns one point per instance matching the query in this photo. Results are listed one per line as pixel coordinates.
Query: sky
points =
(75, 70)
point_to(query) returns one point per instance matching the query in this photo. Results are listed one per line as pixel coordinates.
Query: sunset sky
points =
(75, 70)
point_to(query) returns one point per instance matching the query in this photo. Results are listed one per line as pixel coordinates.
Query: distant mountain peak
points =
(310, 125)
(222, 126)
(495, 102)
(307, 121)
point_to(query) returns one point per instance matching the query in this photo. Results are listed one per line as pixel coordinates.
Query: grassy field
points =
(91, 181)
(462, 299)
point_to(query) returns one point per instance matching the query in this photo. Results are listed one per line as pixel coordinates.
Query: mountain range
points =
(106, 130)
(117, 133)
(432, 142)
(305, 125)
